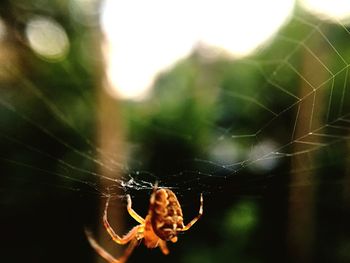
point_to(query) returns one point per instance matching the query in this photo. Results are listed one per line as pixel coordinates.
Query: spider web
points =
(304, 94)
(279, 119)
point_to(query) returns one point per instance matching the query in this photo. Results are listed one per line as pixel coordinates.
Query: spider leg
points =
(163, 247)
(128, 251)
(101, 251)
(132, 212)
(116, 238)
(107, 256)
(194, 220)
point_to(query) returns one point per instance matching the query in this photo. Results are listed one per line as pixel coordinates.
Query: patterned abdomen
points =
(167, 218)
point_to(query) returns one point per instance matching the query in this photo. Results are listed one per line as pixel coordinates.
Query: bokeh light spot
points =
(337, 10)
(242, 218)
(147, 37)
(262, 154)
(47, 38)
(2, 30)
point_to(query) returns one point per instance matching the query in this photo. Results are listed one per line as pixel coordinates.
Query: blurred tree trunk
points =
(12, 50)
(110, 142)
(310, 111)
(346, 189)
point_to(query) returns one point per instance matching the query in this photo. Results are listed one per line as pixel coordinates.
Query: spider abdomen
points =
(167, 218)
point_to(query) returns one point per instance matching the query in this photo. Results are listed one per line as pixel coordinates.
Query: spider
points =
(163, 223)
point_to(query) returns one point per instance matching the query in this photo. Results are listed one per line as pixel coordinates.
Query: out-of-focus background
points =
(245, 102)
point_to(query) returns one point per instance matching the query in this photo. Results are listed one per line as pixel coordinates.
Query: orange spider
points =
(163, 223)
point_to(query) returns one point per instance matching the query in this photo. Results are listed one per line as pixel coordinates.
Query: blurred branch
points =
(301, 225)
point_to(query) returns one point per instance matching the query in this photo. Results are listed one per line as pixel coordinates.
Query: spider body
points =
(163, 223)
(165, 214)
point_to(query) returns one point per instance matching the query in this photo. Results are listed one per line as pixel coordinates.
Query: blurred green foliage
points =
(203, 114)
